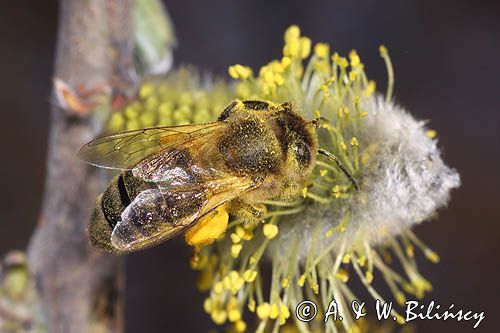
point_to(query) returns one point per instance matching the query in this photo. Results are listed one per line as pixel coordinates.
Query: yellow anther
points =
(400, 298)
(240, 72)
(285, 62)
(370, 88)
(323, 172)
(315, 288)
(352, 76)
(363, 114)
(240, 326)
(410, 251)
(336, 191)
(305, 47)
(278, 79)
(342, 275)
(240, 231)
(361, 261)
(341, 61)
(249, 275)
(431, 134)
(235, 238)
(277, 67)
(432, 256)
(147, 89)
(321, 50)
(235, 250)
(369, 277)
(335, 58)
(252, 260)
(284, 313)
(234, 315)
(302, 280)
(263, 310)
(273, 311)
(292, 33)
(284, 283)
(400, 320)
(347, 258)
(219, 317)
(422, 284)
(233, 282)
(383, 50)
(292, 49)
(243, 233)
(251, 305)
(266, 74)
(355, 60)
(208, 305)
(329, 233)
(218, 287)
(354, 142)
(343, 146)
(270, 230)
(304, 192)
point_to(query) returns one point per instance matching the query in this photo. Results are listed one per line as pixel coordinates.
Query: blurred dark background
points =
(446, 56)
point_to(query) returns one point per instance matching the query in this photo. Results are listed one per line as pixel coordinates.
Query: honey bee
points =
(177, 179)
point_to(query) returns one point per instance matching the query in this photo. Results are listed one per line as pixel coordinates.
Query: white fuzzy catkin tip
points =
(404, 181)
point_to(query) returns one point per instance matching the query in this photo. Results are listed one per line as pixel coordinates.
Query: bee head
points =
(297, 138)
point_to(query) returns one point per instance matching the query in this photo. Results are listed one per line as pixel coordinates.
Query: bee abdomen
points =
(154, 211)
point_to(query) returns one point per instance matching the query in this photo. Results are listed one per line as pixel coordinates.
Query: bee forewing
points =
(124, 150)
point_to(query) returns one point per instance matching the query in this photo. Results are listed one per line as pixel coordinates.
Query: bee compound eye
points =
(302, 153)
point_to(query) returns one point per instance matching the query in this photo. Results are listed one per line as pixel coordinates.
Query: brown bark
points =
(80, 288)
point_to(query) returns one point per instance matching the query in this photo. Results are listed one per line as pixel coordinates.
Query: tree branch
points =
(80, 288)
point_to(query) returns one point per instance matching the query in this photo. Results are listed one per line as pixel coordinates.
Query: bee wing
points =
(125, 149)
(158, 214)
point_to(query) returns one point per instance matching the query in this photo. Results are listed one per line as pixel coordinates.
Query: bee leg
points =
(250, 214)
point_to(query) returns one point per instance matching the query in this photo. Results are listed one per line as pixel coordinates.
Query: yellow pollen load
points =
(208, 229)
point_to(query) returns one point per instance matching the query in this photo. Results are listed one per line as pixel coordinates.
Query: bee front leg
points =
(249, 214)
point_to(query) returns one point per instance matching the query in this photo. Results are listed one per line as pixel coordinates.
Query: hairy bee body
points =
(255, 151)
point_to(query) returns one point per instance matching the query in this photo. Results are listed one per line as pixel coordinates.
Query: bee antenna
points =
(340, 165)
